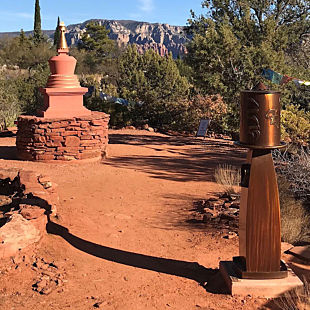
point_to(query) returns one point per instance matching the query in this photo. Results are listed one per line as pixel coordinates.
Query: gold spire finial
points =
(62, 45)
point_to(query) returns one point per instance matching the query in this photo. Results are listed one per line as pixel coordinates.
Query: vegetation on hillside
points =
(230, 46)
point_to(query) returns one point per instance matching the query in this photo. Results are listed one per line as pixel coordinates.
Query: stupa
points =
(62, 129)
(63, 94)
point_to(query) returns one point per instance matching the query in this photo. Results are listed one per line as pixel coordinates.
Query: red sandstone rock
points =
(28, 176)
(30, 212)
(17, 234)
(72, 141)
(75, 123)
(55, 125)
(45, 157)
(39, 138)
(11, 173)
(96, 122)
(70, 133)
(57, 138)
(51, 144)
(91, 154)
(58, 130)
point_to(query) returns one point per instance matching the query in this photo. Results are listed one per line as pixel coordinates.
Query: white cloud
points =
(146, 5)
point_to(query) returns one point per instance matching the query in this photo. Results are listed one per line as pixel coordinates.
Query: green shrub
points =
(9, 105)
(295, 124)
(120, 115)
(185, 114)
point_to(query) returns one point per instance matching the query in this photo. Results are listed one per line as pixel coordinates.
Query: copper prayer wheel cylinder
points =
(260, 118)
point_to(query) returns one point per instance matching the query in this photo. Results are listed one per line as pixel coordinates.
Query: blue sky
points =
(18, 14)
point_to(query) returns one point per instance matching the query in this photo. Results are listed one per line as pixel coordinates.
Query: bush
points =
(9, 106)
(185, 114)
(295, 125)
(27, 88)
(120, 116)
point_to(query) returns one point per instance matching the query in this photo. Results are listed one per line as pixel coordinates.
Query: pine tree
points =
(96, 40)
(37, 32)
(57, 33)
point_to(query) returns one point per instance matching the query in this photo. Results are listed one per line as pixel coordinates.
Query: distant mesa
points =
(163, 38)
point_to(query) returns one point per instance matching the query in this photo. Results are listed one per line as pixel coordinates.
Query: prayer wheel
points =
(259, 222)
(260, 118)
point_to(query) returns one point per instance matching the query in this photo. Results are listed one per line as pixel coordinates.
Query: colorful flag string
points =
(280, 79)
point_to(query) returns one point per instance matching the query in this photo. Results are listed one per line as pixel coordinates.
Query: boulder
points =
(17, 234)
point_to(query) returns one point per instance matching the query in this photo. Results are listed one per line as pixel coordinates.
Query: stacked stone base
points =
(45, 139)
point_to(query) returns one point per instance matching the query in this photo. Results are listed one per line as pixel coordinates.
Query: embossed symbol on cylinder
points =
(273, 116)
(253, 120)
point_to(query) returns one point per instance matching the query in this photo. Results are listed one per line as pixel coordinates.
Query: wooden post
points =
(263, 237)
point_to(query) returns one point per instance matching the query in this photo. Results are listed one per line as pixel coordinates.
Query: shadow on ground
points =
(209, 278)
(8, 153)
(158, 140)
(195, 164)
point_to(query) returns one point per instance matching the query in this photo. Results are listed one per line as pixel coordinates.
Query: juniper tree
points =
(149, 77)
(98, 46)
(153, 80)
(57, 33)
(37, 32)
(235, 39)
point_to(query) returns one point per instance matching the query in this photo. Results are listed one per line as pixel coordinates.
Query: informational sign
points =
(203, 126)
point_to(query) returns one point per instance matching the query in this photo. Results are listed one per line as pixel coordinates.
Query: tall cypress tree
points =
(37, 32)
(57, 33)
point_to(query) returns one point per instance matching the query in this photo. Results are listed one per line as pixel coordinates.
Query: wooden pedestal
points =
(260, 237)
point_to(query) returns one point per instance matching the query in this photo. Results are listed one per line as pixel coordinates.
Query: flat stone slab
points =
(17, 234)
(257, 288)
(302, 252)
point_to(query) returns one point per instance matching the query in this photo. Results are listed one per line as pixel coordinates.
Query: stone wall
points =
(44, 139)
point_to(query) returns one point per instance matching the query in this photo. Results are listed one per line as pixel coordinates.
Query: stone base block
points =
(257, 288)
(68, 139)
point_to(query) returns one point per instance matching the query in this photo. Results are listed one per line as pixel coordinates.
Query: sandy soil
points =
(122, 240)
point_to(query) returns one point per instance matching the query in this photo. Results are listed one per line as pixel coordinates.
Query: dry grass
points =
(229, 177)
(295, 167)
(294, 218)
(298, 299)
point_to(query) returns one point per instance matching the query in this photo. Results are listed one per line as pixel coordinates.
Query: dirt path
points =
(122, 239)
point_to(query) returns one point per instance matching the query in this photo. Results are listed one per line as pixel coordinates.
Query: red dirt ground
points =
(122, 240)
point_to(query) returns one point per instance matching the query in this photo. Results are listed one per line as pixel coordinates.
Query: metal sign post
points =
(203, 127)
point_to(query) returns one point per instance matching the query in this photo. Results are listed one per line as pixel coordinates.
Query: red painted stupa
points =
(63, 94)
(63, 128)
